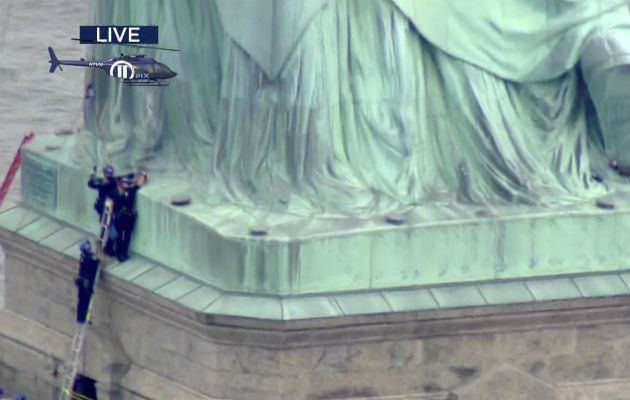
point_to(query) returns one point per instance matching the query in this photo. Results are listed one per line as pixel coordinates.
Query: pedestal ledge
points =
(24, 231)
(436, 245)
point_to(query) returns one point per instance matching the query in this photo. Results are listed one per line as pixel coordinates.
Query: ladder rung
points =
(76, 345)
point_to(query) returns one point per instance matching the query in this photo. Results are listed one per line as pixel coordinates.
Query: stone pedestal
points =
(449, 303)
(144, 346)
(316, 255)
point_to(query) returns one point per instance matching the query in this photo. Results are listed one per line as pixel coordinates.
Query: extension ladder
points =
(79, 332)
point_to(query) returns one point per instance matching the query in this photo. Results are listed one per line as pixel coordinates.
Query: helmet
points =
(128, 178)
(127, 181)
(86, 247)
(108, 171)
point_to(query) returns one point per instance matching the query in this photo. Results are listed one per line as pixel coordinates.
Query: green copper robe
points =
(370, 106)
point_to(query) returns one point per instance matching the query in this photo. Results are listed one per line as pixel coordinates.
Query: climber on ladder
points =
(88, 265)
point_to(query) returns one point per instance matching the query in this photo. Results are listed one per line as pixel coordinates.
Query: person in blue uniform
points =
(106, 187)
(88, 266)
(125, 218)
(85, 386)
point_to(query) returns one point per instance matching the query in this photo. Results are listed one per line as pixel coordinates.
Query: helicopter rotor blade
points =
(137, 46)
(150, 47)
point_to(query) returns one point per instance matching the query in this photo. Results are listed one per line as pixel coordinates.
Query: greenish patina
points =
(204, 298)
(363, 107)
(474, 128)
(308, 255)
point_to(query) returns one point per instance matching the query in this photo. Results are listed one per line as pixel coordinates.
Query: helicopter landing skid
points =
(145, 83)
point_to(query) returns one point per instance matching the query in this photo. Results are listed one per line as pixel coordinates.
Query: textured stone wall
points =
(143, 347)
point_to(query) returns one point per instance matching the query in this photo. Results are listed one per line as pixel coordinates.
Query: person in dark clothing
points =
(88, 266)
(112, 241)
(106, 187)
(125, 218)
(85, 387)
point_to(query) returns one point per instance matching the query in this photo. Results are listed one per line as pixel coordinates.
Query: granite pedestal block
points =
(145, 346)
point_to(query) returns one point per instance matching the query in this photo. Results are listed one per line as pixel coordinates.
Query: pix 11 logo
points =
(119, 34)
(122, 69)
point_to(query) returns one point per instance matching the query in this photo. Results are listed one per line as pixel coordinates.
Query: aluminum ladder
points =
(79, 331)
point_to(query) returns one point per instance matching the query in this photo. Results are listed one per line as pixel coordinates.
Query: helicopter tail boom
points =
(54, 62)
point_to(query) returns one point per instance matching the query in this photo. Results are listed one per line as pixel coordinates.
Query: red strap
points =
(15, 165)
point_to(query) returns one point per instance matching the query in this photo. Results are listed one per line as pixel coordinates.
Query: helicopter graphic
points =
(133, 70)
